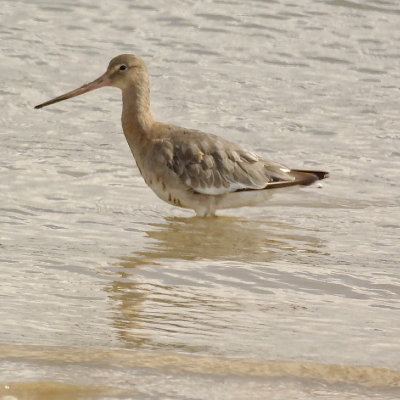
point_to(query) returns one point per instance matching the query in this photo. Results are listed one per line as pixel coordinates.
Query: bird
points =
(186, 167)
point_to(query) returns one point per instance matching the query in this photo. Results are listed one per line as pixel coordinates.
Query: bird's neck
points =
(137, 120)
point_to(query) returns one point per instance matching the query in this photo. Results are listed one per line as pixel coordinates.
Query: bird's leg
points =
(205, 212)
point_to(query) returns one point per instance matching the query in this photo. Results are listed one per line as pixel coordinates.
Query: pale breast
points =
(165, 191)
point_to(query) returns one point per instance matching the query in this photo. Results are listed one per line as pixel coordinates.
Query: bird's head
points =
(122, 71)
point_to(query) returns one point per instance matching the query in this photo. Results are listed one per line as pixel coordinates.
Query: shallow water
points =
(109, 293)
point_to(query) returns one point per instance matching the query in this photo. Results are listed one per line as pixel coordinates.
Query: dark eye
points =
(123, 67)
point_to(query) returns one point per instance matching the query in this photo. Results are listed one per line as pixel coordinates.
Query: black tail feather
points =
(302, 178)
(319, 174)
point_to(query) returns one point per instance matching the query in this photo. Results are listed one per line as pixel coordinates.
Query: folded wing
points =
(208, 164)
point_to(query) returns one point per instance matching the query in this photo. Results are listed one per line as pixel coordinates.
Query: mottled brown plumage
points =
(189, 168)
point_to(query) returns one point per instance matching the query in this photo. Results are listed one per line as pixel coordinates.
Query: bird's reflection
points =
(218, 241)
(223, 238)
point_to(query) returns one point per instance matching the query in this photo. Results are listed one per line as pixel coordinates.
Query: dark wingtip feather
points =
(302, 178)
(319, 174)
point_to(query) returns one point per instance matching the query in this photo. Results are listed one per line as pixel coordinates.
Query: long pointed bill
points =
(102, 81)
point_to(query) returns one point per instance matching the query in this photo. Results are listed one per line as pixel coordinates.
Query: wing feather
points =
(210, 165)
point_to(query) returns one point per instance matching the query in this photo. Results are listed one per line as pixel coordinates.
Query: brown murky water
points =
(108, 293)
